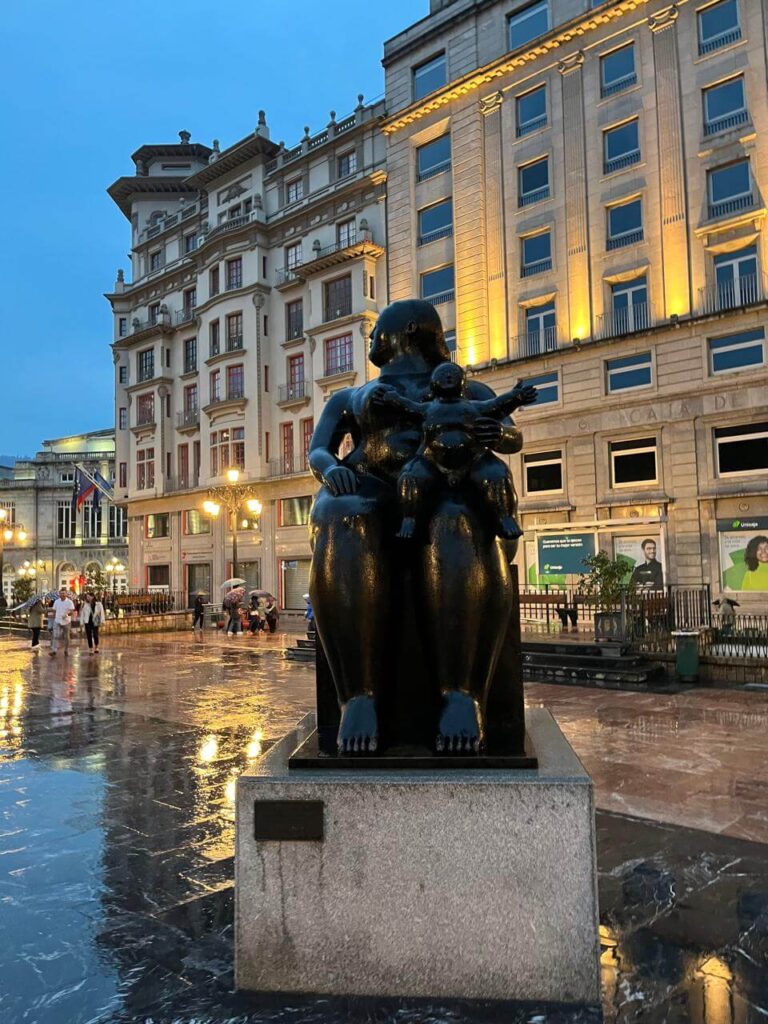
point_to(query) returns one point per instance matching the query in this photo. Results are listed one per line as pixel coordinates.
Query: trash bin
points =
(687, 654)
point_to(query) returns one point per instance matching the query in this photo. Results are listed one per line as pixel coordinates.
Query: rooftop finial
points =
(215, 154)
(185, 137)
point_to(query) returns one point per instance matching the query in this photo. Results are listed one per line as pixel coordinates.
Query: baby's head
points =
(448, 380)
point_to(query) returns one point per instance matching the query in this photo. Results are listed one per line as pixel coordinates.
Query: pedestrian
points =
(254, 618)
(198, 614)
(234, 623)
(63, 610)
(309, 615)
(35, 623)
(270, 613)
(92, 616)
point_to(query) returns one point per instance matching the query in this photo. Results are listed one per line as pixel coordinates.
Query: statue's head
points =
(448, 381)
(408, 327)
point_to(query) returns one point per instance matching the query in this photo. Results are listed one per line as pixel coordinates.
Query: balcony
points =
(724, 124)
(235, 343)
(441, 297)
(628, 320)
(745, 290)
(190, 366)
(620, 162)
(286, 276)
(534, 343)
(434, 170)
(186, 315)
(338, 366)
(621, 241)
(188, 419)
(182, 482)
(289, 465)
(434, 236)
(145, 374)
(172, 220)
(727, 207)
(232, 401)
(296, 393)
(539, 267)
(356, 243)
(726, 39)
(233, 224)
(619, 86)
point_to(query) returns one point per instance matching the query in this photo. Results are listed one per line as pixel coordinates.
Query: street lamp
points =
(8, 534)
(232, 496)
(113, 568)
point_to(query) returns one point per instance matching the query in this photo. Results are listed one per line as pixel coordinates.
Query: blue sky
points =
(84, 84)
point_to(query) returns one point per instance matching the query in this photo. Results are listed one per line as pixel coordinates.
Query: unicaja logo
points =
(736, 524)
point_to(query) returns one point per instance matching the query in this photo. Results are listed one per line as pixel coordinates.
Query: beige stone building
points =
(257, 272)
(581, 188)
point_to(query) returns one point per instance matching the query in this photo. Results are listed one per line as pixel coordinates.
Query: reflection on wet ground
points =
(117, 781)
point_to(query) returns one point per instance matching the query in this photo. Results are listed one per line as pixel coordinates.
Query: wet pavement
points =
(117, 778)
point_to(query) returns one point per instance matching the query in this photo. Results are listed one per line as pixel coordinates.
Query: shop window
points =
(158, 525)
(295, 511)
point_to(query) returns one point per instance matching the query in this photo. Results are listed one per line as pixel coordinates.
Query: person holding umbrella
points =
(232, 602)
(270, 612)
(198, 614)
(35, 621)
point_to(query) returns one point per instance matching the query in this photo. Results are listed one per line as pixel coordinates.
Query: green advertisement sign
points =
(743, 543)
(562, 554)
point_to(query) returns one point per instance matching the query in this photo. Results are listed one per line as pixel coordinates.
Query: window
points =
(617, 70)
(215, 385)
(213, 281)
(719, 26)
(234, 274)
(531, 110)
(629, 306)
(307, 427)
(122, 419)
(196, 523)
(296, 376)
(118, 521)
(154, 312)
(157, 525)
(730, 188)
(295, 511)
(213, 338)
(548, 387)
(227, 450)
(528, 23)
(450, 341)
(737, 351)
(430, 75)
(725, 106)
(293, 256)
(190, 400)
(145, 469)
(294, 319)
(286, 447)
(633, 462)
(346, 164)
(65, 521)
(238, 448)
(265, 324)
(294, 190)
(155, 260)
(338, 297)
(621, 147)
(625, 224)
(122, 374)
(433, 158)
(234, 332)
(345, 233)
(338, 355)
(543, 472)
(145, 410)
(190, 355)
(67, 477)
(235, 381)
(742, 449)
(190, 242)
(91, 520)
(533, 182)
(438, 285)
(122, 326)
(10, 509)
(540, 329)
(536, 254)
(182, 464)
(629, 373)
(145, 364)
(122, 475)
(190, 301)
(736, 279)
(436, 221)
(159, 576)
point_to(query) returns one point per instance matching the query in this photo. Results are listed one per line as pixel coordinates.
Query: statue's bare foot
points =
(459, 730)
(407, 528)
(509, 528)
(358, 732)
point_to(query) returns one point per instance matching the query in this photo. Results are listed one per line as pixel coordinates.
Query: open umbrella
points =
(234, 582)
(49, 595)
(261, 593)
(234, 597)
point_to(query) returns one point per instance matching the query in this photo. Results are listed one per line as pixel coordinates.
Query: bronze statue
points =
(418, 636)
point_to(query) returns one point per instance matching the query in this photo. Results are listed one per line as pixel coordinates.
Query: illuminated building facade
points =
(581, 188)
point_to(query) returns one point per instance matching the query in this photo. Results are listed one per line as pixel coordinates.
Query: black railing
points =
(619, 86)
(292, 392)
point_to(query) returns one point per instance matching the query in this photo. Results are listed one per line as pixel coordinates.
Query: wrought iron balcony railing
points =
(293, 392)
(708, 45)
(727, 207)
(620, 241)
(534, 343)
(745, 290)
(188, 418)
(723, 124)
(619, 86)
(628, 320)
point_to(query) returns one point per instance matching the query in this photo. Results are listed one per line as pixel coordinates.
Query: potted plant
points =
(603, 584)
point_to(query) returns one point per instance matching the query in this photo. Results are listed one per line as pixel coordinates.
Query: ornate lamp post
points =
(8, 534)
(113, 568)
(233, 496)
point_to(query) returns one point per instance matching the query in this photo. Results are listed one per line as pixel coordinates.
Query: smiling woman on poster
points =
(756, 561)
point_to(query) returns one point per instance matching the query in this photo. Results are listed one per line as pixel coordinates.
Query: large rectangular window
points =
(196, 523)
(540, 329)
(235, 381)
(625, 224)
(118, 522)
(295, 511)
(286, 448)
(730, 188)
(214, 386)
(629, 306)
(190, 355)
(531, 110)
(737, 282)
(628, 373)
(433, 157)
(437, 286)
(338, 298)
(294, 256)
(429, 76)
(158, 525)
(737, 351)
(533, 182)
(294, 319)
(741, 450)
(294, 190)
(544, 472)
(234, 332)
(436, 222)
(633, 462)
(145, 410)
(145, 365)
(65, 521)
(725, 106)
(617, 70)
(214, 338)
(234, 276)
(527, 24)
(346, 164)
(338, 355)
(536, 253)
(719, 25)
(621, 146)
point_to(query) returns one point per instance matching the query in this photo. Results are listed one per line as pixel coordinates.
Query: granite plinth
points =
(466, 885)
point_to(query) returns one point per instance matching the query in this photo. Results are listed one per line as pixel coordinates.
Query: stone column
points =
(467, 140)
(674, 227)
(579, 322)
(490, 107)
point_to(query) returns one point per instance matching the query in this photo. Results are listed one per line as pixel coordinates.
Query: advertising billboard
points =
(642, 557)
(743, 544)
(563, 554)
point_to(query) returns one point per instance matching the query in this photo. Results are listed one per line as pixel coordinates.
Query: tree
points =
(603, 581)
(96, 578)
(23, 589)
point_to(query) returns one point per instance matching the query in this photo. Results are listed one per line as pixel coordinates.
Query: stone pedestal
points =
(457, 884)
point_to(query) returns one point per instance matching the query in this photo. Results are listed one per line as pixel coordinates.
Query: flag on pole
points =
(84, 488)
(98, 485)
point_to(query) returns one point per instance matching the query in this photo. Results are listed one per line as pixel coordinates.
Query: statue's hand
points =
(488, 432)
(340, 480)
(383, 396)
(527, 393)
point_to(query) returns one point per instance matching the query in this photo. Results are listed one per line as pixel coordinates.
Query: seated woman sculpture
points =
(449, 447)
(412, 633)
